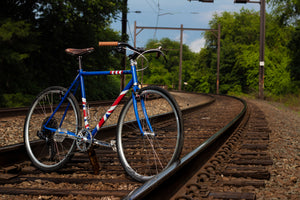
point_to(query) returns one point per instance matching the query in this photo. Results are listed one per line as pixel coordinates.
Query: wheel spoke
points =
(144, 156)
(40, 142)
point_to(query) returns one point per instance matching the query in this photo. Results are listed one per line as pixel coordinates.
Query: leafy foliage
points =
(166, 73)
(34, 34)
(286, 11)
(239, 57)
(240, 53)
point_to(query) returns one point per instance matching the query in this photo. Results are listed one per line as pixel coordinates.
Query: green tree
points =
(287, 13)
(166, 73)
(77, 24)
(240, 52)
(294, 66)
(34, 34)
(202, 75)
(17, 45)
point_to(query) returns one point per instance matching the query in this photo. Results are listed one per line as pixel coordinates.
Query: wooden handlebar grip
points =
(108, 43)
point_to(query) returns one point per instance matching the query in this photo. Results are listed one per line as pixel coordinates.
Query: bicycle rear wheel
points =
(47, 150)
(145, 155)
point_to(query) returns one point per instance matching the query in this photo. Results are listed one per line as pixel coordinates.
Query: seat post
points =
(79, 61)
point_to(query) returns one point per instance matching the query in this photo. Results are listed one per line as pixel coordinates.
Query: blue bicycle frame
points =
(79, 80)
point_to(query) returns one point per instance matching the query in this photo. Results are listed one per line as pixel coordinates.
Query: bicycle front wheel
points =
(47, 149)
(145, 153)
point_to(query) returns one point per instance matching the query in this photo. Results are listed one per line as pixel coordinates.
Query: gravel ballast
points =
(284, 148)
(284, 145)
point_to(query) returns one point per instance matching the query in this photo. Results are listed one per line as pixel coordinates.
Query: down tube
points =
(112, 108)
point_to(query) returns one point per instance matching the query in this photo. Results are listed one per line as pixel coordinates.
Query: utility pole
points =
(262, 48)
(180, 58)
(218, 58)
(262, 37)
(123, 39)
(181, 44)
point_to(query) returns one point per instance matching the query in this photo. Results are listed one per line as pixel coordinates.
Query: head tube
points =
(134, 75)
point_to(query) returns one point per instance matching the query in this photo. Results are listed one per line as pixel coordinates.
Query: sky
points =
(173, 13)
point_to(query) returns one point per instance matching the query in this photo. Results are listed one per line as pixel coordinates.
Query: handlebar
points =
(108, 43)
(136, 51)
(118, 44)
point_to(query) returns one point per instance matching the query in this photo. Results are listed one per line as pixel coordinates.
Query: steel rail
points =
(11, 112)
(179, 172)
(19, 154)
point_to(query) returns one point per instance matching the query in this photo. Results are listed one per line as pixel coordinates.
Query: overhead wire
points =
(151, 5)
(130, 33)
(157, 18)
(155, 6)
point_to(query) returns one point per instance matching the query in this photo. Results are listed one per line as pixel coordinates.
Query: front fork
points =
(135, 97)
(144, 111)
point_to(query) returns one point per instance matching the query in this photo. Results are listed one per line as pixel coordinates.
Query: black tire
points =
(46, 151)
(144, 156)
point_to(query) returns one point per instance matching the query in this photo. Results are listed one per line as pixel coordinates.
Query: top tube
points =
(114, 72)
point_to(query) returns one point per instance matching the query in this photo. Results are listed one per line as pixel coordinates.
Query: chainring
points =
(84, 140)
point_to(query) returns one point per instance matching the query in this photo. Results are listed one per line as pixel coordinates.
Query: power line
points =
(130, 33)
(151, 6)
(157, 18)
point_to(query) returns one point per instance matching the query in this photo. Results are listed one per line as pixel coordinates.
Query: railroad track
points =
(234, 166)
(77, 178)
(8, 112)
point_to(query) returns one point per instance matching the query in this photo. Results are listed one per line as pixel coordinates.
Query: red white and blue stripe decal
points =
(111, 109)
(85, 114)
(116, 72)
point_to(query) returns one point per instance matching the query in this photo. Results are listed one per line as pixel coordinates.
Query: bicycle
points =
(53, 126)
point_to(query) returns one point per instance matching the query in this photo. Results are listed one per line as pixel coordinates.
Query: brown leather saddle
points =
(79, 52)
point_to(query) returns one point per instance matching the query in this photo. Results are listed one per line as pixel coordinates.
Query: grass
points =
(291, 101)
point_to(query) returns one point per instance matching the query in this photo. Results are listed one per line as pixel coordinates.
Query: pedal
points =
(60, 135)
(113, 145)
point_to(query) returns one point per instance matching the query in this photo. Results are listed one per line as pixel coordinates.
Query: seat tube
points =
(83, 98)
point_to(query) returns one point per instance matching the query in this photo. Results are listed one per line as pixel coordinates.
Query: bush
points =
(16, 100)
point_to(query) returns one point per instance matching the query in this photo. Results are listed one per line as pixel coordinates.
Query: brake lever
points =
(119, 49)
(159, 53)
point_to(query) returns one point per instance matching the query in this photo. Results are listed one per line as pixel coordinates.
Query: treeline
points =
(239, 63)
(34, 35)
